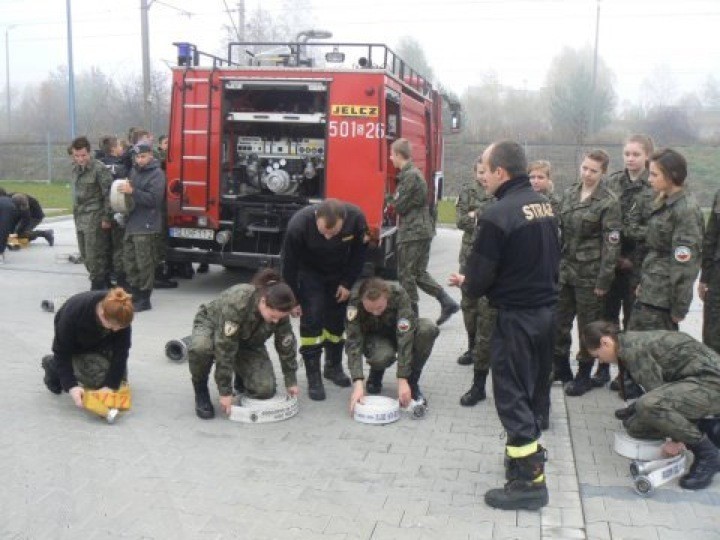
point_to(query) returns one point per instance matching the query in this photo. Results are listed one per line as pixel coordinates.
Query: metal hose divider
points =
(177, 349)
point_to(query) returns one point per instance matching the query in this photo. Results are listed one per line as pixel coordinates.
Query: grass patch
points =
(446, 212)
(55, 197)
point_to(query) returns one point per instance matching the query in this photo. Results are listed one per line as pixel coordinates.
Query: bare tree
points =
(412, 52)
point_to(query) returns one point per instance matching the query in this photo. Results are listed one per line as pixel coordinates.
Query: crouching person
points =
(231, 331)
(681, 377)
(382, 326)
(91, 344)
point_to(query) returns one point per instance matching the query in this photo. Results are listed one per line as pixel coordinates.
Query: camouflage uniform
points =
(590, 235)
(682, 379)
(231, 332)
(91, 206)
(635, 203)
(478, 316)
(710, 276)
(415, 233)
(674, 239)
(397, 332)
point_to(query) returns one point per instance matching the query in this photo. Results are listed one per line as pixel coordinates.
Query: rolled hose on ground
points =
(177, 349)
(261, 411)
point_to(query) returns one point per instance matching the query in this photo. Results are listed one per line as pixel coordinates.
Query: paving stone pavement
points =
(160, 472)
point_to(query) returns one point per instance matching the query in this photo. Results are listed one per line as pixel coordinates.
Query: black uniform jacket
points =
(516, 254)
(341, 258)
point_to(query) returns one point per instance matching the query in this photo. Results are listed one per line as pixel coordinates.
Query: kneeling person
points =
(382, 326)
(91, 345)
(231, 331)
(682, 379)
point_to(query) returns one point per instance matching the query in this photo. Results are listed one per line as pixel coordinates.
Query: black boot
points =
(466, 358)
(48, 235)
(162, 277)
(203, 406)
(316, 390)
(141, 300)
(602, 375)
(203, 268)
(333, 369)
(51, 379)
(374, 381)
(704, 467)
(98, 284)
(562, 371)
(476, 394)
(615, 384)
(238, 385)
(525, 489)
(448, 307)
(581, 383)
(625, 412)
(414, 382)
(711, 428)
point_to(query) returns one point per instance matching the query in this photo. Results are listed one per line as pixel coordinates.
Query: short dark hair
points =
(3, 193)
(601, 156)
(331, 210)
(402, 148)
(21, 201)
(161, 138)
(108, 144)
(79, 143)
(373, 288)
(672, 164)
(278, 294)
(510, 156)
(593, 332)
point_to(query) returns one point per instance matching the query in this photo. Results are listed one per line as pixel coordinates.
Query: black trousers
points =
(522, 352)
(323, 318)
(8, 219)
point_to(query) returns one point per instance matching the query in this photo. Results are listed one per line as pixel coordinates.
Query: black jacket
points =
(117, 165)
(516, 254)
(78, 330)
(341, 258)
(149, 198)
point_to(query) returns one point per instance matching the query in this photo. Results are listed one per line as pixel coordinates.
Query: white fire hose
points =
(119, 202)
(262, 411)
(385, 410)
(649, 468)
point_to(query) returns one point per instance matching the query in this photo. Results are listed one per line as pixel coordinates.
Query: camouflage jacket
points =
(397, 323)
(674, 239)
(412, 206)
(590, 235)
(711, 245)
(92, 194)
(636, 199)
(238, 326)
(661, 356)
(473, 197)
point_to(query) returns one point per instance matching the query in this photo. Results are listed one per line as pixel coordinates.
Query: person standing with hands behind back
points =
(514, 262)
(415, 233)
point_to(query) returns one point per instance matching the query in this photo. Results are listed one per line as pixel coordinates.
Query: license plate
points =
(194, 234)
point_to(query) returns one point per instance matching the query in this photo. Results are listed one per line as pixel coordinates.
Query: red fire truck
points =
(277, 126)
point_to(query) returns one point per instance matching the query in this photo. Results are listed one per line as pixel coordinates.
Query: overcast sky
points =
(463, 39)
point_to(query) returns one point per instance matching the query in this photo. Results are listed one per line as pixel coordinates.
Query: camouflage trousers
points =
(412, 262)
(645, 317)
(94, 246)
(575, 301)
(479, 319)
(711, 312)
(252, 364)
(621, 296)
(674, 409)
(381, 351)
(91, 369)
(117, 248)
(141, 260)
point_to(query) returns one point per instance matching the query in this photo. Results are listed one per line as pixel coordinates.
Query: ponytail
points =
(278, 294)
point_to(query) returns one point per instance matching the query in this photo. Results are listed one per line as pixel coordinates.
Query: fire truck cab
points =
(277, 126)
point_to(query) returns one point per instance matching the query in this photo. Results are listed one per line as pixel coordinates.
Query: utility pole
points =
(591, 122)
(71, 71)
(7, 77)
(241, 21)
(147, 109)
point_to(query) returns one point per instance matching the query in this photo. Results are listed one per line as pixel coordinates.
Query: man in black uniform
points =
(30, 215)
(514, 262)
(322, 257)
